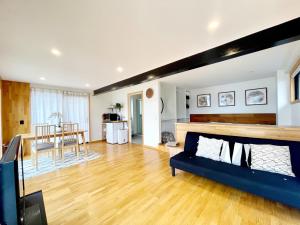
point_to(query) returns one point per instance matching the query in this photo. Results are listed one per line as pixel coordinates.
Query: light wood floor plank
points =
(132, 184)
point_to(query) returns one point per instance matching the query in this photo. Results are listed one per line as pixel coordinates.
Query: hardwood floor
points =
(132, 184)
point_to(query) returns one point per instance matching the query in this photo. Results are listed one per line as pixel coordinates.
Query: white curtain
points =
(44, 102)
(76, 109)
(73, 106)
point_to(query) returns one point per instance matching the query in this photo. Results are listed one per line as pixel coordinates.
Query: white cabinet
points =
(122, 136)
(112, 132)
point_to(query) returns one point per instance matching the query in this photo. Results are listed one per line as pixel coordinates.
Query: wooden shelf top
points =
(240, 125)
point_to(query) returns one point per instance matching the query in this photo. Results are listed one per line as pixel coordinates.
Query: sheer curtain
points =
(44, 102)
(74, 107)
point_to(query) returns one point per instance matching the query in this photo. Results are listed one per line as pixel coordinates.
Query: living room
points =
(150, 112)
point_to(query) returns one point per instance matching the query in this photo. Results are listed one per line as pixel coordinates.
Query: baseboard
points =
(96, 141)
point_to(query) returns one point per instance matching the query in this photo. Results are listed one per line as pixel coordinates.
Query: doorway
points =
(136, 118)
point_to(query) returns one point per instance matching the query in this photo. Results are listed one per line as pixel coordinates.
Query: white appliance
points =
(112, 132)
(122, 136)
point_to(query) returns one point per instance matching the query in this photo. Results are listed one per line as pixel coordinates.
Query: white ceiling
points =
(97, 36)
(253, 66)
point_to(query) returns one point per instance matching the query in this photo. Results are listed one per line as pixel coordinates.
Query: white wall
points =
(288, 114)
(284, 107)
(98, 106)
(240, 106)
(169, 115)
(151, 120)
(296, 114)
(168, 94)
(181, 103)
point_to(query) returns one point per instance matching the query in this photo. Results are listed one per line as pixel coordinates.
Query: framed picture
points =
(226, 98)
(203, 100)
(258, 96)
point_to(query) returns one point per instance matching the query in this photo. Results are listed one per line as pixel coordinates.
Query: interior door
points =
(139, 116)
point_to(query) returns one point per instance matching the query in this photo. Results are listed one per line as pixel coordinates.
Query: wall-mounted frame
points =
(257, 96)
(226, 98)
(295, 83)
(203, 100)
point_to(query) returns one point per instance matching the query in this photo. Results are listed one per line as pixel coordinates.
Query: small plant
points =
(56, 116)
(118, 106)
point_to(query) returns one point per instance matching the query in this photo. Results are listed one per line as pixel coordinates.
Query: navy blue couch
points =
(273, 186)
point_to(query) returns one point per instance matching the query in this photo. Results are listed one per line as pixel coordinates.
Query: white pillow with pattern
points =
(271, 158)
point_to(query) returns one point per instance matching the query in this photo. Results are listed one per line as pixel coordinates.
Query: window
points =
(295, 85)
(71, 106)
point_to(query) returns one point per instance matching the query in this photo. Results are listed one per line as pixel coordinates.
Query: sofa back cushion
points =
(191, 144)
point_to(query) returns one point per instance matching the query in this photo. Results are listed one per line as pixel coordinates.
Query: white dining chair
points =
(70, 138)
(44, 141)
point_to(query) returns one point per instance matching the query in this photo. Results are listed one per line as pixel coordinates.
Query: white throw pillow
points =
(271, 158)
(237, 154)
(238, 151)
(247, 148)
(209, 148)
(225, 153)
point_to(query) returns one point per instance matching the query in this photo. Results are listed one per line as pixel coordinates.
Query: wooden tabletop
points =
(31, 136)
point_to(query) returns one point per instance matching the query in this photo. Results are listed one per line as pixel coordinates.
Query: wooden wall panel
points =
(244, 118)
(255, 131)
(15, 108)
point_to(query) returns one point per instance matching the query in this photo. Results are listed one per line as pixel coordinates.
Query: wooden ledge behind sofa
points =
(242, 118)
(242, 130)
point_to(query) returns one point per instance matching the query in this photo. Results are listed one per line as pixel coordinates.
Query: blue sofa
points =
(273, 186)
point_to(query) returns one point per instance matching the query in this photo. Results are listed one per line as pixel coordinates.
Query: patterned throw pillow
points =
(209, 148)
(271, 158)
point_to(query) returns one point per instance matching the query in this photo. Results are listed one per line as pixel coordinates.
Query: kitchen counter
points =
(117, 121)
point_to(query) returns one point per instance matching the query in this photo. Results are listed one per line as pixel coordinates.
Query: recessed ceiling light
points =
(119, 69)
(150, 77)
(42, 78)
(87, 85)
(232, 51)
(55, 52)
(213, 25)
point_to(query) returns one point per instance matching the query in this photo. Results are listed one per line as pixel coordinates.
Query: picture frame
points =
(226, 98)
(257, 96)
(204, 100)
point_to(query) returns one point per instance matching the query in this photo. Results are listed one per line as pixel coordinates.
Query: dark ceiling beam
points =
(278, 35)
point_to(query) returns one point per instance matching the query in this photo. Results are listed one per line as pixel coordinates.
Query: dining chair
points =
(70, 138)
(44, 141)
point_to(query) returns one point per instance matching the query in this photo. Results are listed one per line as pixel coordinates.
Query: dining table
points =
(28, 137)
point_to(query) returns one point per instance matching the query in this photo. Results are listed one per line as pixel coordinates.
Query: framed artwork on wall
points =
(204, 100)
(258, 96)
(226, 98)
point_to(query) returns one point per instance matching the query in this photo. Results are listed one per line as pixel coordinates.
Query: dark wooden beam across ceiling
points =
(278, 35)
